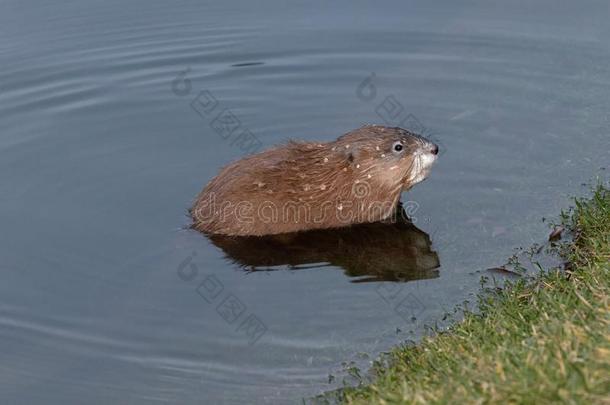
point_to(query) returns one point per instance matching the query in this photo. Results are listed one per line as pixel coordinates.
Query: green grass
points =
(535, 341)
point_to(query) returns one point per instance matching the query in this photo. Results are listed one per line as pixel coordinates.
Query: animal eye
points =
(397, 147)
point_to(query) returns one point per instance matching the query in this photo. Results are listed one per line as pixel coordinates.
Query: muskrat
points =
(301, 186)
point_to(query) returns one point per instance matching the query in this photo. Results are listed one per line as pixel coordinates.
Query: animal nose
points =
(434, 149)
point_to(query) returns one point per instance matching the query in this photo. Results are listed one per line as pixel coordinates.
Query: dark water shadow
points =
(380, 251)
(244, 64)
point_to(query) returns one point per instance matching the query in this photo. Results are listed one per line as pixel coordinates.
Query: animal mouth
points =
(420, 168)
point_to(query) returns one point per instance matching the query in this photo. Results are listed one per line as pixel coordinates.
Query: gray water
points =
(107, 298)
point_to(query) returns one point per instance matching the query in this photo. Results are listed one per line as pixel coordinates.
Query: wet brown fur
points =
(355, 179)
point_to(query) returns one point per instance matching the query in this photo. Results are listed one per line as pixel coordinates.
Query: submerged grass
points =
(546, 340)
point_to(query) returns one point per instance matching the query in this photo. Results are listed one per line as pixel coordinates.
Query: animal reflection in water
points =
(380, 251)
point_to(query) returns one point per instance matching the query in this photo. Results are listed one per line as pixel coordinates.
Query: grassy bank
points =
(546, 340)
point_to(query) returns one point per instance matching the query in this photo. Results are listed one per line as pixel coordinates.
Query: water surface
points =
(101, 155)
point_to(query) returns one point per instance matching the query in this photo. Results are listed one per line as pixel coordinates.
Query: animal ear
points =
(352, 155)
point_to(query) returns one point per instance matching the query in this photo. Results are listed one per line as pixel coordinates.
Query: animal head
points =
(396, 157)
